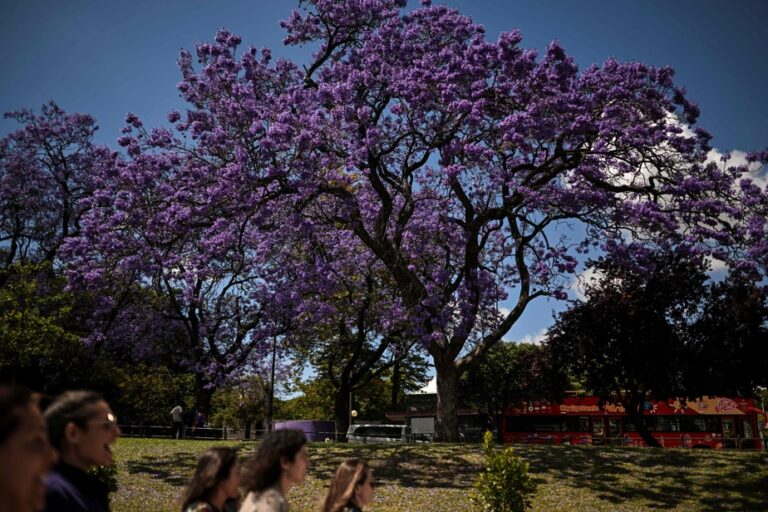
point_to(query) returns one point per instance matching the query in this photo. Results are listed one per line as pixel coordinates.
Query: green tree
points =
(663, 332)
(37, 348)
(148, 393)
(240, 404)
(726, 342)
(508, 372)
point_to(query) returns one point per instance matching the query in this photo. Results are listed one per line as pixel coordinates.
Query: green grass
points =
(437, 477)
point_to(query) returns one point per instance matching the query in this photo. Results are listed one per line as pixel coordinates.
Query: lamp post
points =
(272, 386)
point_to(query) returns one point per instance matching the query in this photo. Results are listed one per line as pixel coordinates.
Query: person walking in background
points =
(351, 488)
(178, 422)
(82, 428)
(199, 419)
(25, 454)
(280, 462)
(214, 486)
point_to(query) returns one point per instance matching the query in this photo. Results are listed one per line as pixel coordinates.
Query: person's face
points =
(364, 491)
(232, 484)
(26, 457)
(92, 445)
(296, 471)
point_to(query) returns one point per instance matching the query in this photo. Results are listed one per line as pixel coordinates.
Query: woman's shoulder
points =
(269, 500)
(199, 506)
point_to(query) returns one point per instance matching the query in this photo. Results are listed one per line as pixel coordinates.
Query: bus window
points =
(597, 430)
(748, 434)
(583, 423)
(614, 427)
(729, 427)
(729, 433)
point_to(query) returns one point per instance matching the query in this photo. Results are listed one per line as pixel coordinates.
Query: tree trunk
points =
(446, 424)
(635, 416)
(395, 386)
(341, 411)
(202, 398)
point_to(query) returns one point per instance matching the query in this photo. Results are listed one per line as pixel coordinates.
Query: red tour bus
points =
(708, 422)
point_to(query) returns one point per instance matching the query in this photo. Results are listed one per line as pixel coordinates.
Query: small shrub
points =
(505, 485)
(107, 474)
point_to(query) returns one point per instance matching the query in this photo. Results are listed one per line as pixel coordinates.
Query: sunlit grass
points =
(152, 474)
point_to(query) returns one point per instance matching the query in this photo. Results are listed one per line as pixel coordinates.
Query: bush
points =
(505, 485)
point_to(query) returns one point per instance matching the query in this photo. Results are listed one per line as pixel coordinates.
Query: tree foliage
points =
(663, 333)
(44, 176)
(508, 372)
(462, 171)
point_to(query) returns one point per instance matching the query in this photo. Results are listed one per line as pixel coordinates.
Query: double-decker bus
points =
(707, 422)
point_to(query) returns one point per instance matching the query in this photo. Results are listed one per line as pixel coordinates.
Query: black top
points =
(70, 489)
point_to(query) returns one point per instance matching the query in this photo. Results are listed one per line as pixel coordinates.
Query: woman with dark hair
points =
(214, 486)
(280, 462)
(82, 428)
(25, 454)
(351, 488)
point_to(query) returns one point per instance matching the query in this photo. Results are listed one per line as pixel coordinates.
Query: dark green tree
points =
(509, 372)
(625, 340)
(727, 343)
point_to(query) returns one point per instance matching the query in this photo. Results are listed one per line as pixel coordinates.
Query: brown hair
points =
(263, 469)
(341, 491)
(69, 407)
(213, 467)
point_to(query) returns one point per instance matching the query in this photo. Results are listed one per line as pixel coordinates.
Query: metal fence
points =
(214, 433)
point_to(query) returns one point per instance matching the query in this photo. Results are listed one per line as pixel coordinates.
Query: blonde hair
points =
(341, 491)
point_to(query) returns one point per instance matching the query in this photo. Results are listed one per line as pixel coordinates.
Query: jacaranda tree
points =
(44, 173)
(187, 225)
(349, 325)
(474, 171)
(477, 171)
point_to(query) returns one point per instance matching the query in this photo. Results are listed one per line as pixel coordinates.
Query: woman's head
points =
(351, 485)
(281, 459)
(25, 452)
(82, 427)
(216, 478)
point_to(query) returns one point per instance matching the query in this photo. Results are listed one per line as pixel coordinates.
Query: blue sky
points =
(107, 58)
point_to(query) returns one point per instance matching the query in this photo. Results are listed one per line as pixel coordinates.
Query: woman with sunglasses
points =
(82, 428)
(351, 488)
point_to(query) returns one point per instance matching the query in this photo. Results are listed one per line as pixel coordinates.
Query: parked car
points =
(364, 433)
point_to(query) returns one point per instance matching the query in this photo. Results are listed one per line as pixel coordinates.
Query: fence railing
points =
(213, 433)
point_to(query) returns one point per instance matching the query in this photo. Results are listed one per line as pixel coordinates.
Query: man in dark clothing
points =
(70, 489)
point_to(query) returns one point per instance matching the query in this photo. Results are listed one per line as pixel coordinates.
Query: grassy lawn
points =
(152, 474)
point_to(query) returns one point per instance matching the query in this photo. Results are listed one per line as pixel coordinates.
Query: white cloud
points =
(535, 339)
(579, 284)
(431, 387)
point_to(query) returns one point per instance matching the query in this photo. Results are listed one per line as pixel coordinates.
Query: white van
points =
(378, 433)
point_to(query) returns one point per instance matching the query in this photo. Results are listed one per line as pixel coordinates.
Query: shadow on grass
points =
(653, 478)
(416, 466)
(174, 469)
(662, 479)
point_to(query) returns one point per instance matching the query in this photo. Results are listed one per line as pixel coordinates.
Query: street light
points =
(354, 415)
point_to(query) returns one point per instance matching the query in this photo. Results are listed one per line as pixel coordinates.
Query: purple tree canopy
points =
(192, 227)
(471, 171)
(44, 174)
